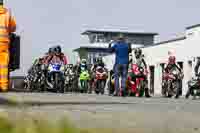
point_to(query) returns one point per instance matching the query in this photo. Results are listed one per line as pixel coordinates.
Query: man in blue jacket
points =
(122, 50)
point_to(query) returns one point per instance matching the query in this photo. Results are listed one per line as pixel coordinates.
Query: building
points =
(99, 40)
(186, 49)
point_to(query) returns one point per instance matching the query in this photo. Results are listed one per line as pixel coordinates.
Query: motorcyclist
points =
(48, 54)
(98, 63)
(194, 82)
(196, 69)
(139, 60)
(56, 55)
(83, 65)
(173, 66)
(34, 73)
(36, 64)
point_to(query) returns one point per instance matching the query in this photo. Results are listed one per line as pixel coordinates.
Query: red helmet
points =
(172, 60)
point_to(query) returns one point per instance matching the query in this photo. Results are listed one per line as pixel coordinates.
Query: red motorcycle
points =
(101, 76)
(137, 87)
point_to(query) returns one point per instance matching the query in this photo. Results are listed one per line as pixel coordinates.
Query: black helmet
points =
(58, 49)
(138, 52)
(51, 50)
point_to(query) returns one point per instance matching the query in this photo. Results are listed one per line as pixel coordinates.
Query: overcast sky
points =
(42, 23)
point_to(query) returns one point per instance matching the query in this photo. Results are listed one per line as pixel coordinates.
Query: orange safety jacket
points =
(7, 25)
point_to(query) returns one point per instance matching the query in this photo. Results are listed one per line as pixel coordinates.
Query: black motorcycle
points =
(36, 81)
(193, 87)
(70, 79)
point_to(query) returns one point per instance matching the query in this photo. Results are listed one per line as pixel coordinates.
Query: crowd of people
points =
(125, 58)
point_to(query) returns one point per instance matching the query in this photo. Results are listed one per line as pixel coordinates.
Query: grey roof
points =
(165, 42)
(118, 31)
(193, 26)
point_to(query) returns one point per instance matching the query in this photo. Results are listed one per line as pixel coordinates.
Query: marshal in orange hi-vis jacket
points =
(7, 25)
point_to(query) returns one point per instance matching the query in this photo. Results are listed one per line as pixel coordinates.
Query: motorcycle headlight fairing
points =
(62, 68)
(50, 67)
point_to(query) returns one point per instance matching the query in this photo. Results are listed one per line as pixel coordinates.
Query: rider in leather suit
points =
(171, 66)
(193, 83)
(139, 60)
(82, 64)
(98, 63)
(196, 69)
(56, 55)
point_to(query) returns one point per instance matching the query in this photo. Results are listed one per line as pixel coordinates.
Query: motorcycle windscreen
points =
(100, 70)
(54, 68)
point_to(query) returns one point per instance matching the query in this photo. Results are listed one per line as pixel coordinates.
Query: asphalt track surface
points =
(154, 114)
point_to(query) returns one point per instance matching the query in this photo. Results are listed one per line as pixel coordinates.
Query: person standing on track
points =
(122, 50)
(7, 26)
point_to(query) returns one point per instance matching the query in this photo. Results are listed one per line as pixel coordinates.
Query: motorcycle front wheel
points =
(59, 83)
(100, 87)
(141, 88)
(84, 86)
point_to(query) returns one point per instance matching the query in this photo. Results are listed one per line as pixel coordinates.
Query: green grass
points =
(35, 124)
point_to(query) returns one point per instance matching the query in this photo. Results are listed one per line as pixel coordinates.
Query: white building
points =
(186, 49)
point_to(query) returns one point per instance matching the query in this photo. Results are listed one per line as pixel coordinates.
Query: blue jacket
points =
(122, 50)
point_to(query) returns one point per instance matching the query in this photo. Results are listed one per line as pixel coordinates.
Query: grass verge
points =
(35, 124)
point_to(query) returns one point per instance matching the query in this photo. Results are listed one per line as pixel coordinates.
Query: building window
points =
(92, 38)
(101, 38)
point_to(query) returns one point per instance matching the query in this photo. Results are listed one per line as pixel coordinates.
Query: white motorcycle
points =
(55, 77)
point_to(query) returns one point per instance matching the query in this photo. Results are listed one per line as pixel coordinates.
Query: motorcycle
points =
(193, 87)
(69, 79)
(39, 82)
(171, 84)
(136, 87)
(55, 77)
(84, 80)
(27, 82)
(111, 83)
(100, 79)
(35, 80)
